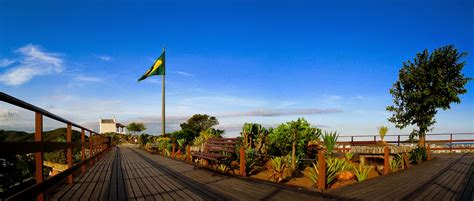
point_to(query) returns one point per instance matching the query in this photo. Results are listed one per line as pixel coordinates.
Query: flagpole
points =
(163, 118)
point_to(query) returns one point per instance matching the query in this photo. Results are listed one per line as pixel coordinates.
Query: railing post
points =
(398, 140)
(406, 160)
(375, 138)
(83, 149)
(321, 170)
(173, 150)
(352, 140)
(39, 155)
(69, 151)
(91, 152)
(428, 152)
(188, 152)
(451, 143)
(242, 162)
(386, 167)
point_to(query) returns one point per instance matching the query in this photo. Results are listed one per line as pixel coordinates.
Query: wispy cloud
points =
(105, 58)
(84, 78)
(181, 73)
(33, 62)
(6, 62)
(280, 112)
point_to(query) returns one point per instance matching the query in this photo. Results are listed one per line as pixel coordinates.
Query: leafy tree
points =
(430, 82)
(208, 133)
(293, 137)
(136, 127)
(255, 136)
(143, 138)
(196, 124)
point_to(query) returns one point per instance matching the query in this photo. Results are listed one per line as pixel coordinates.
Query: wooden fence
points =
(446, 139)
(97, 144)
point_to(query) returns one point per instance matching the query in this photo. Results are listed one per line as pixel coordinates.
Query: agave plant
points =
(348, 155)
(222, 168)
(278, 165)
(181, 142)
(313, 174)
(396, 163)
(334, 166)
(382, 131)
(362, 172)
(330, 139)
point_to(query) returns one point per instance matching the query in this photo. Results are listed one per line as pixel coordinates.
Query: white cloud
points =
(105, 58)
(83, 78)
(6, 62)
(181, 73)
(33, 62)
(280, 112)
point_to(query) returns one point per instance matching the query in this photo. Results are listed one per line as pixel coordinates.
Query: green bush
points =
(362, 172)
(418, 155)
(330, 139)
(396, 163)
(334, 166)
(349, 155)
(278, 166)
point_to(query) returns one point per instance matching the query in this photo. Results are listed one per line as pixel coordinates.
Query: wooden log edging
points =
(321, 170)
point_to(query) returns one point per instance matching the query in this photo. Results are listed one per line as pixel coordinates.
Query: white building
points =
(111, 125)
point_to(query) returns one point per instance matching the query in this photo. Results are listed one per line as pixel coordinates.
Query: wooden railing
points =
(449, 140)
(97, 144)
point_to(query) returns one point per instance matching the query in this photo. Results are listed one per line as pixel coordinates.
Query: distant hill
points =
(58, 134)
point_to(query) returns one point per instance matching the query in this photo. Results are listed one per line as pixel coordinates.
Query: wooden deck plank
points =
(136, 167)
(132, 179)
(175, 190)
(77, 188)
(416, 182)
(137, 175)
(93, 181)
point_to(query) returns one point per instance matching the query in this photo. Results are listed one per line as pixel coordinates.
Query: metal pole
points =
(163, 105)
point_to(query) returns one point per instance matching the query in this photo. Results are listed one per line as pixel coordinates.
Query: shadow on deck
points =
(128, 173)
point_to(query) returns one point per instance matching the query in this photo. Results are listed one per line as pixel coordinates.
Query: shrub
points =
(313, 174)
(334, 166)
(250, 160)
(396, 163)
(330, 139)
(362, 172)
(418, 155)
(348, 155)
(278, 166)
(222, 168)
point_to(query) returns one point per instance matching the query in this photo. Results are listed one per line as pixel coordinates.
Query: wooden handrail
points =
(98, 144)
(17, 102)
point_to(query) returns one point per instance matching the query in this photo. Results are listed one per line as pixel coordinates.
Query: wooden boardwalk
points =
(447, 177)
(128, 173)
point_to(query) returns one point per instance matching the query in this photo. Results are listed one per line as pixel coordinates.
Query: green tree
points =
(196, 124)
(255, 136)
(431, 82)
(293, 137)
(206, 134)
(136, 127)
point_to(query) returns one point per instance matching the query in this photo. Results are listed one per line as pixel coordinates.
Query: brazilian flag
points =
(158, 68)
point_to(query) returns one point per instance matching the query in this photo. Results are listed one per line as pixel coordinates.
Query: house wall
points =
(107, 127)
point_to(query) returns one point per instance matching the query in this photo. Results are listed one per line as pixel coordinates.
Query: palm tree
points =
(382, 131)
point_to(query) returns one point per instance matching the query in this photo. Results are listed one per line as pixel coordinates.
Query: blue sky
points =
(242, 61)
